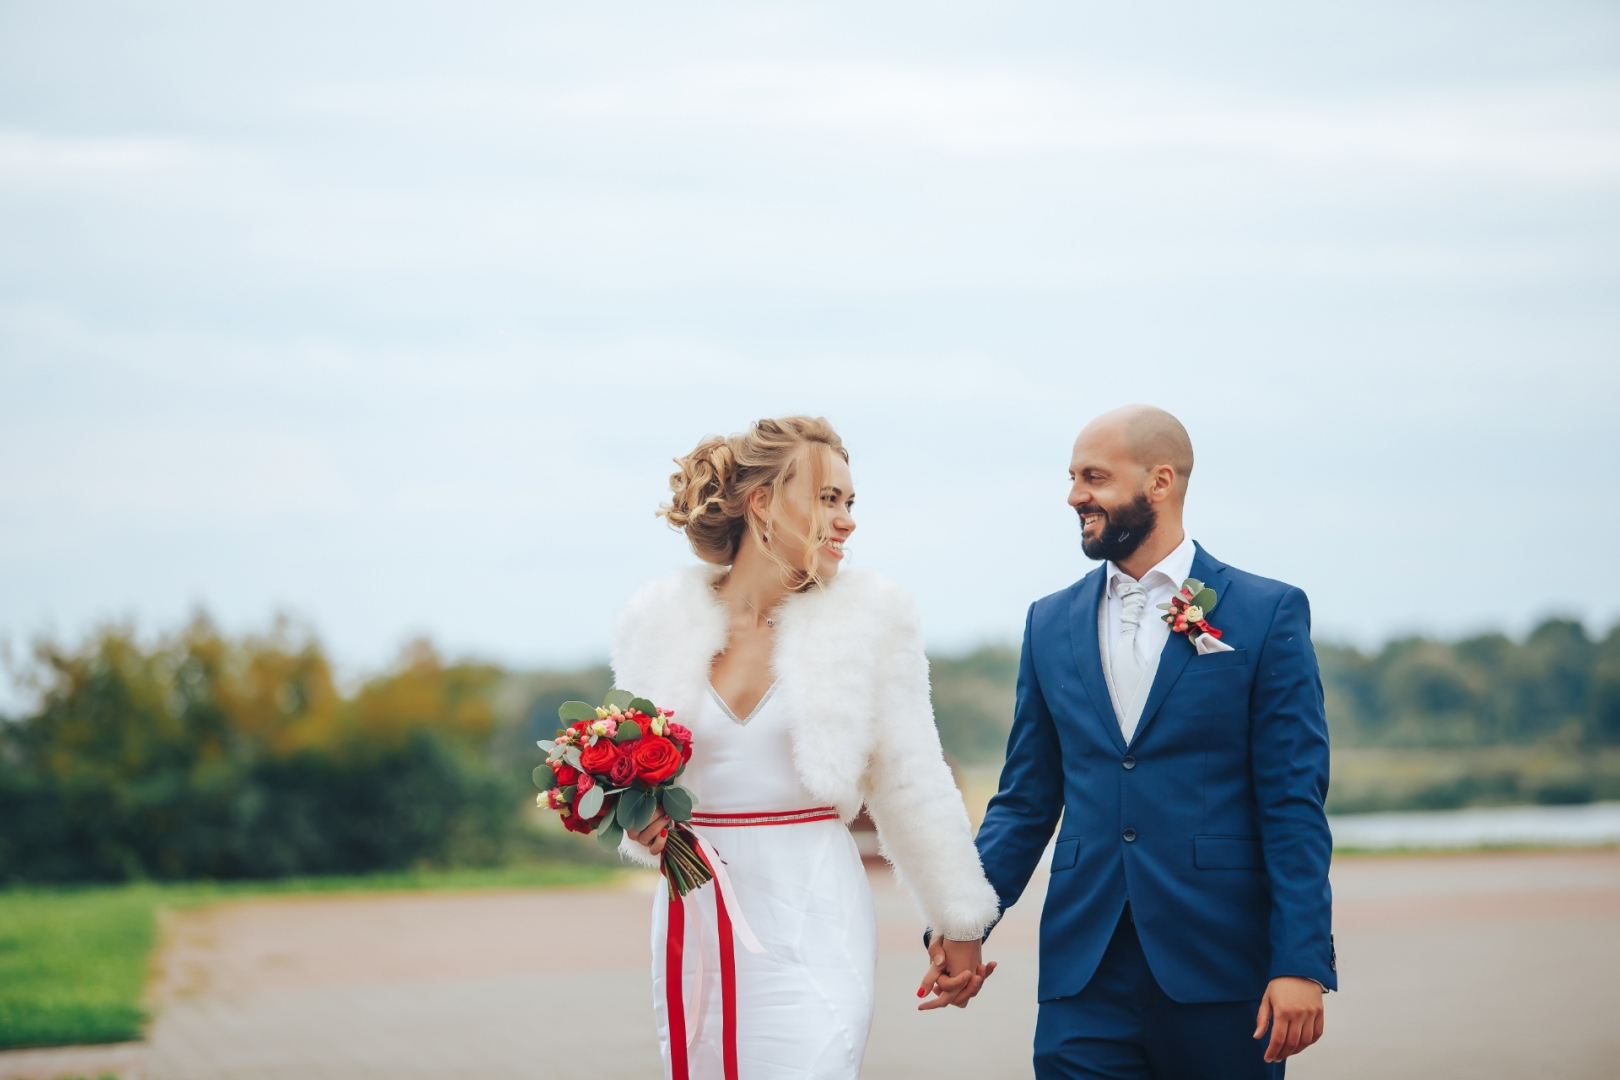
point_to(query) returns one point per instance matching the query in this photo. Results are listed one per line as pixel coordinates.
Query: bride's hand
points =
(955, 973)
(655, 834)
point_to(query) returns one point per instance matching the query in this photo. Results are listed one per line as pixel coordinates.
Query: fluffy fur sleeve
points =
(632, 852)
(923, 827)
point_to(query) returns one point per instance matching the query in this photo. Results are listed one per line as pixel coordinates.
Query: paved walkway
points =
(1477, 966)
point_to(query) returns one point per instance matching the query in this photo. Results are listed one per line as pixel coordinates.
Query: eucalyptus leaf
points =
(590, 803)
(630, 810)
(544, 778)
(678, 803)
(609, 835)
(621, 698)
(641, 704)
(546, 745)
(1193, 585)
(1205, 599)
(572, 755)
(628, 729)
(636, 810)
(572, 711)
(569, 792)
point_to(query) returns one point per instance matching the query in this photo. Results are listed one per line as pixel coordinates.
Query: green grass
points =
(74, 961)
(73, 965)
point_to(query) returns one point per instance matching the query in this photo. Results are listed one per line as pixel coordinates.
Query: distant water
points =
(1574, 826)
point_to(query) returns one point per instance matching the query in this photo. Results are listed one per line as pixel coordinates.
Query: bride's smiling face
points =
(809, 521)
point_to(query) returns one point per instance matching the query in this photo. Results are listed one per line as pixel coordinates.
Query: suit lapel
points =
(1087, 656)
(1178, 650)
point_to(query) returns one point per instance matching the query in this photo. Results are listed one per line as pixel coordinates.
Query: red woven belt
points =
(767, 817)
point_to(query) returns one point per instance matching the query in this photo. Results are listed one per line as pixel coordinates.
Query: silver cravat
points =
(1128, 664)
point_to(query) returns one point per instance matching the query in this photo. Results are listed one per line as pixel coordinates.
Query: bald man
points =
(1187, 927)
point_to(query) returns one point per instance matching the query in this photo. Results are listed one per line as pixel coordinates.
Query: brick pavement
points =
(1478, 966)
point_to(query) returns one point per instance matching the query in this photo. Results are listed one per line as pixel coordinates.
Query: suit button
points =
(1130, 835)
(1129, 763)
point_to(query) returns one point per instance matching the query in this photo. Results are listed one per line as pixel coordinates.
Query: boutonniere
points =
(1188, 613)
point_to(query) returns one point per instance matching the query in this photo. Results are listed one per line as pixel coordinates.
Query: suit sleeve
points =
(1290, 768)
(1025, 810)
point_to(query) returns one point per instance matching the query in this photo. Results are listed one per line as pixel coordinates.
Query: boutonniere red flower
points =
(1188, 611)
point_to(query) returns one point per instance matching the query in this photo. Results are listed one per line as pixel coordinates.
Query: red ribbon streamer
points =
(674, 998)
(675, 943)
(674, 948)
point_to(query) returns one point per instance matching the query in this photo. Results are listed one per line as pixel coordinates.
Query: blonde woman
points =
(806, 689)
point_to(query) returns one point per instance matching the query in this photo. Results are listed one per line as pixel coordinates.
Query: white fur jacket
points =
(850, 668)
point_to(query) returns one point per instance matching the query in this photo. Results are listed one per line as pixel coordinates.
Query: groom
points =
(1187, 925)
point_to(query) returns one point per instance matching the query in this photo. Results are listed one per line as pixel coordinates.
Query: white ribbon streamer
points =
(739, 924)
(696, 930)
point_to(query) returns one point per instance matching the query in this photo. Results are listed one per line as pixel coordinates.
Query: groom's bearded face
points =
(1114, 533)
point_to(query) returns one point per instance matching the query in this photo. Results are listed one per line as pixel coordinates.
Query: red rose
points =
(583, 784)
(572, 823)
(600, 757)
(624, 768)
(683, 735)
(656, 759)
(565, 773)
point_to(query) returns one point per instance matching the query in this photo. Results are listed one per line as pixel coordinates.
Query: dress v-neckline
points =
(735, 719)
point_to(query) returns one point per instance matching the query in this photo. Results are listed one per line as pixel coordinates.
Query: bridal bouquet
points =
(612, 767)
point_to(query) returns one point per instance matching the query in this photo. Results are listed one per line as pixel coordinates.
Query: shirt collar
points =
(1176, 567)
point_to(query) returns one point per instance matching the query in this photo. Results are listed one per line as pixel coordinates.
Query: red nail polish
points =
(922, 991)
(663, 832)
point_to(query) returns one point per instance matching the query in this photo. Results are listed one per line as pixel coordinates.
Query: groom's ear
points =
(1164, 484)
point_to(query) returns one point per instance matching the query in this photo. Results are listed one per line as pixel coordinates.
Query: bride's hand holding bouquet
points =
(612, 770)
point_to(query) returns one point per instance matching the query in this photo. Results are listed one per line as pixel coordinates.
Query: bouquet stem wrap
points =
(685, 866)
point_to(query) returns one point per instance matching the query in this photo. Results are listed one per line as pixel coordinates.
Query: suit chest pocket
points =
(1221, 661)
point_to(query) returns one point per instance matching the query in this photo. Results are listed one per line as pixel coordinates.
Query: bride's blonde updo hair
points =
(714, 482)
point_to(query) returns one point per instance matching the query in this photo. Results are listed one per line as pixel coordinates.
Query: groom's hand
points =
(956, 973)
(1293, 1008)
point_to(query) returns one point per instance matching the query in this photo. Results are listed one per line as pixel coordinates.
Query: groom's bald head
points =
(1128, 484)
(1149, 436)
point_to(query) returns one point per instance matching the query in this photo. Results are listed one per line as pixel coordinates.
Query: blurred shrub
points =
(1556, 686)
(973, 702)
(204, 756)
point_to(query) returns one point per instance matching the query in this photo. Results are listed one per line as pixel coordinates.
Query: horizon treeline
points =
(199, 755)
(1558, 685)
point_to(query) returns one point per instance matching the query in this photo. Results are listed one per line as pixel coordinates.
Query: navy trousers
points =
(1122, 1026)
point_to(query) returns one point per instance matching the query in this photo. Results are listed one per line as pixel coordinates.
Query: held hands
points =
(1293, 1009)
(955, 974)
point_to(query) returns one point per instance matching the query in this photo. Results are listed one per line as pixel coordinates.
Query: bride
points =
(806, 690)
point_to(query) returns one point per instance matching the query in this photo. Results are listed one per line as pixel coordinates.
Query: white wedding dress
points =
(804, 1006)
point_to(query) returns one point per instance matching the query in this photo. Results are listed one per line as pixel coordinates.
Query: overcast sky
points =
(392, 315)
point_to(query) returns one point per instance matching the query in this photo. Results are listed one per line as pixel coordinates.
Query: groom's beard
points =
(1124, 530)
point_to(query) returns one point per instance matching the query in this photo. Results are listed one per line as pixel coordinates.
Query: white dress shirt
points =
(1161, 584)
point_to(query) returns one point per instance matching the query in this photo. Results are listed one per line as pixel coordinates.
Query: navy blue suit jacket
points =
(1210, 822)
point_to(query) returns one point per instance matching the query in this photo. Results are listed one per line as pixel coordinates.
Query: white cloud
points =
(31, 157)
(1565, 130)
